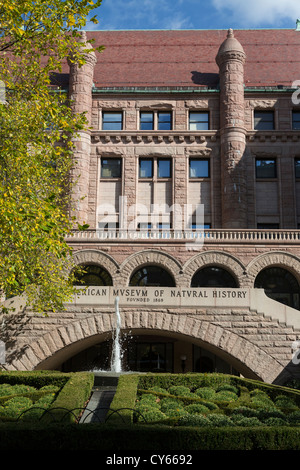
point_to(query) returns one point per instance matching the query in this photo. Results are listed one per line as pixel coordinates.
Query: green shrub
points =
(220, 420)
(194, 420)
(6, 389)
(294, 418)
(245, 422)
(284, 402)
(226, 395)
(210, 405)
(228, 388)
(180, 390)
(196, 408)
(175, 412)
(148, 398)
(167, 404)
(15, 406)
(206, 392)
(262, 401)
(275, 422)
(245, 412)
(152, 415)
(265, 414)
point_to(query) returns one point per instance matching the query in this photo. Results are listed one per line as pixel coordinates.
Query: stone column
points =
(80, 95)
(231, 59)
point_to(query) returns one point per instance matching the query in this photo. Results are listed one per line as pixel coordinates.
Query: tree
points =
(36, 132)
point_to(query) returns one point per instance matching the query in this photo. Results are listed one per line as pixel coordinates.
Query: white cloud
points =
(143, 14)
(257, 12)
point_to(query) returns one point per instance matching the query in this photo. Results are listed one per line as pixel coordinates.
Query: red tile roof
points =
(187, 58)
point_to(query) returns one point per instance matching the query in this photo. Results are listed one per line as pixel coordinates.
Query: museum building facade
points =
(189, 180)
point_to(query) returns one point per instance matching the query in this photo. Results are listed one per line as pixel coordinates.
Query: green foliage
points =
(170, 403)
(197, 408)
(240, 403)
(220, 420)
(151, 415)
(225, 395)
(206, 392)
(194, 420)
(125, 399)
(28, 402)
(225, 428)
(37, 131)
(179, 390)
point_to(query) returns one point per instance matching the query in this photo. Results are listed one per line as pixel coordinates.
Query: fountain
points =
(116, 358)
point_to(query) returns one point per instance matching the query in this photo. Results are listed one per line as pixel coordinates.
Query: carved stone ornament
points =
(262, 104)
(201, 152)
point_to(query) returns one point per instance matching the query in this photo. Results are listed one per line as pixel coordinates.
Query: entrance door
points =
(150, 357)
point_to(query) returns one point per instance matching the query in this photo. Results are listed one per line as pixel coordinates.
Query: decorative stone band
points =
(186, 298)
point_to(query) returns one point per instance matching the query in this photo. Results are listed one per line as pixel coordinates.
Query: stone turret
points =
(80, 95)
(230, 59)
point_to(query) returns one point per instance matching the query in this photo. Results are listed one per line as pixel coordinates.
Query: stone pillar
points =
(231, 59)
(80, 95)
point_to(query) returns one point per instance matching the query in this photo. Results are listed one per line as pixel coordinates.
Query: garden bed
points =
(206, 400)
(47, 396)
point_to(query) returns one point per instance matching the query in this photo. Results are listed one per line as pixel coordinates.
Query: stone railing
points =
(193, 236)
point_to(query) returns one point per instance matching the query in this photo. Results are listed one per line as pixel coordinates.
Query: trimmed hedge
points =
(75, 390)
(124, 400)
(143, 437)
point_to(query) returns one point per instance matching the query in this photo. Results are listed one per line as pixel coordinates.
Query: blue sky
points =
(196, 14)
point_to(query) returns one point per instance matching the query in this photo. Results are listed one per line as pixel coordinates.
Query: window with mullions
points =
(163, 168)
(146, 121)
(296, 120)
(164, 122)
(146, 167)
(111, 167)
(150, 121)
(263, 120)
(199, 168)
(265, 168)
(199, 121)
(112, 121)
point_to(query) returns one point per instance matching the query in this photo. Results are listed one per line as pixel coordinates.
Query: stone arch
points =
(271, 259)
(97, 258)
(147, 257)
(215, 258)
(249, 356)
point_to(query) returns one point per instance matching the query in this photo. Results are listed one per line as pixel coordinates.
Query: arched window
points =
(213, 276)
(152, 276)
(93, 275)
(279, 284)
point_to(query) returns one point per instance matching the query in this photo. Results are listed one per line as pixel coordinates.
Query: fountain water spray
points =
(116, 365)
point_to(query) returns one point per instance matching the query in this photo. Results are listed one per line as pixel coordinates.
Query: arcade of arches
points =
(149, 352)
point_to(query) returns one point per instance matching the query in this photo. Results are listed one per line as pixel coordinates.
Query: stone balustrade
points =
(205, 235)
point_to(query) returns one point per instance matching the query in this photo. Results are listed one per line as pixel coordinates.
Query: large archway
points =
(49, 351)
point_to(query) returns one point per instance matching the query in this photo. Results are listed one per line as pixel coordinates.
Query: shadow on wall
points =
(205, 79)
